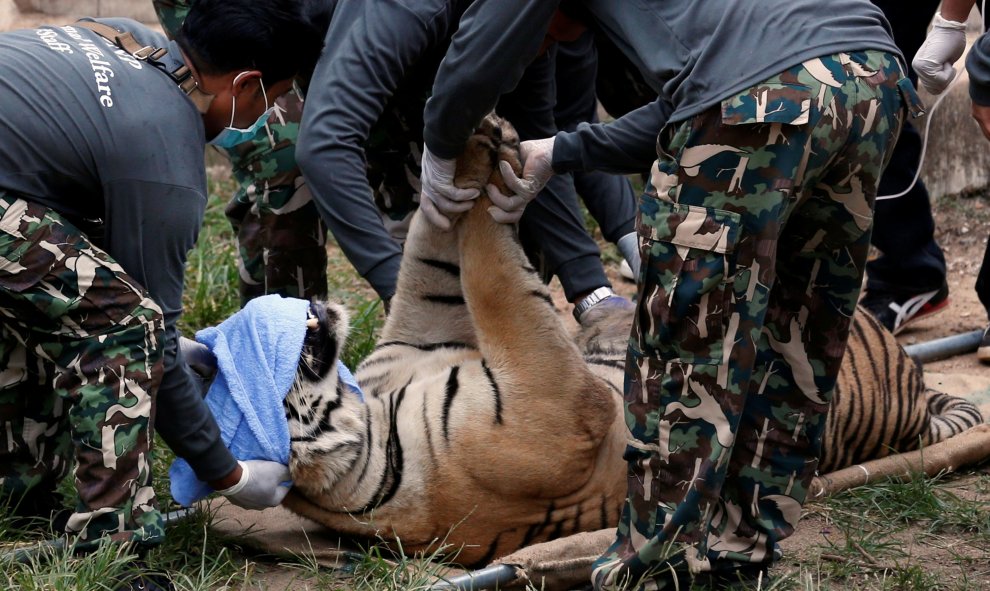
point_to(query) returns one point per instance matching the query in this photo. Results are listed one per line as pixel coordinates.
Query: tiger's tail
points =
(949, 415)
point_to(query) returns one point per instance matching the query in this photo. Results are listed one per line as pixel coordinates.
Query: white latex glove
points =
(537, 159)
(199, 358)
(260, 485)
(439, 198)
(942, 48)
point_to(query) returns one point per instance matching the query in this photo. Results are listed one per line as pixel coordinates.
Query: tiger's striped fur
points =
(488, 427)
(881, 405)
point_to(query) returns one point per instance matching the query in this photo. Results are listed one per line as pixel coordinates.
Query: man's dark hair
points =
(276, 37)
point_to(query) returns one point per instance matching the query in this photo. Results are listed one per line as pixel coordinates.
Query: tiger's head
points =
(326, 417)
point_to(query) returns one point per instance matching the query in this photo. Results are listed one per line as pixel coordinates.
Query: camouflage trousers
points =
(80, 363)
(754, 237)
(281, 237)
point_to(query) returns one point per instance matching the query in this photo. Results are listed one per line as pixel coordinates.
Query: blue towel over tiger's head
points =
(257, 351)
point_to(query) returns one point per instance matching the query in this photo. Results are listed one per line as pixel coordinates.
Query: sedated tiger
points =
(488, 426)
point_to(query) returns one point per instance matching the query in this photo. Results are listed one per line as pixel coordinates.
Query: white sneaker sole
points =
(626, 271)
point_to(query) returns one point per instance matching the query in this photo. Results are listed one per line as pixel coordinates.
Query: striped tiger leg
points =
(523, 340)
(507, 299)
(428, 306)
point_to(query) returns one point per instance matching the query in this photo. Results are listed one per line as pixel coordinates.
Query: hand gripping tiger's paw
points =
(493, 142)
(537, 170)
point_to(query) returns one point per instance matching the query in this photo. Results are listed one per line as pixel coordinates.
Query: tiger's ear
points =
(327, 329)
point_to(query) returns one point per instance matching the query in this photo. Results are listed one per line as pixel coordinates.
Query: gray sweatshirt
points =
(374, 50)
(113, 145)
(978, 68)
(694, 53)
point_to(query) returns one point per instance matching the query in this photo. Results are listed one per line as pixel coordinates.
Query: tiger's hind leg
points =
(880, 404)
(428, 307)
(949, 415)
(551, 399)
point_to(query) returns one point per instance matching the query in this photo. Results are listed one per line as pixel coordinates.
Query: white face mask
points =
(231, 136)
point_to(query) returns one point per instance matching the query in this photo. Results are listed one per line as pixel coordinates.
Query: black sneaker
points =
(749, 576)
(897, 312)
(983, 353)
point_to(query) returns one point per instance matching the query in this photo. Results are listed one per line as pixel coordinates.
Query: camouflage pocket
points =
(690, 262)
(768, 102)
(31, 244)
(915, 106)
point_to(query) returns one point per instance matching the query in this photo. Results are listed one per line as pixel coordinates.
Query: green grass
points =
(883, 527)
(211, 283)
(928, 501)
(56, 569)
(366, 324)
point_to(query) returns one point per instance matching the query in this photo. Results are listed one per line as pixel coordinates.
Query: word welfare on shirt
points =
(102, 70)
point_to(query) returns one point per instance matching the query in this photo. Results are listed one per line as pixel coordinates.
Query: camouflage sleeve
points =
(171, 13)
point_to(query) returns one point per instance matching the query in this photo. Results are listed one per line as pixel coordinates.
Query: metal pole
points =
(945, 347)
(489, 577)
(174, 517)
(28, 553)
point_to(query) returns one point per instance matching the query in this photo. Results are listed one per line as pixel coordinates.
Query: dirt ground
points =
(11, 18)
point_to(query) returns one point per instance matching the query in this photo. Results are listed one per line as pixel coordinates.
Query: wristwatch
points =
(591, 299)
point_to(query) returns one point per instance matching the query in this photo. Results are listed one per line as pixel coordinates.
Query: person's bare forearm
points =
(956, 10)
(227, 481)
(982, 116)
